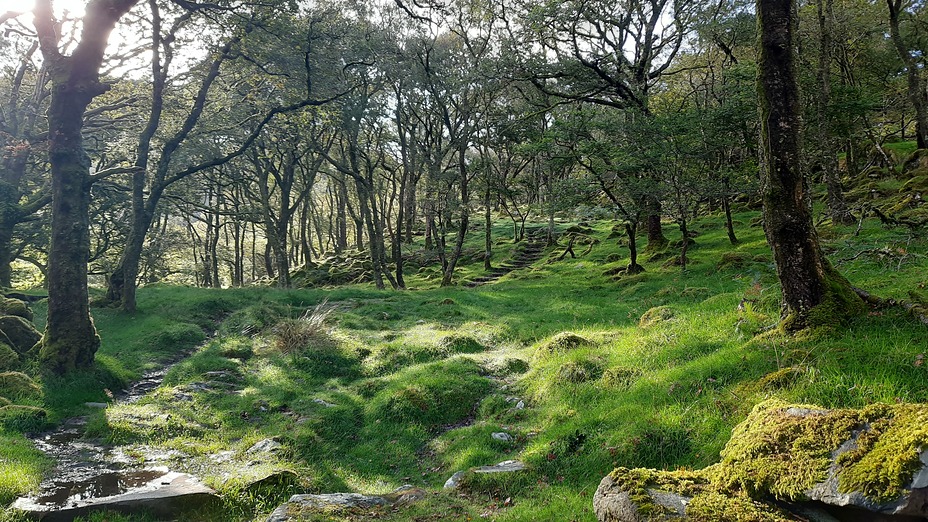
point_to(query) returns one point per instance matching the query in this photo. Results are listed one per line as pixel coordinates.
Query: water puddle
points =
(89, 471)
(58, 494)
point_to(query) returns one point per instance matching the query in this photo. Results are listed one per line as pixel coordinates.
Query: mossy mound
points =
(17, 385)
(656, 315)
(868, 459)
(782, 378)
(19, 333)
(508, 366)
(575, 372)
(236, 348)
(9, 359)
(22, 418)
(736, 260)
(562, 342)
(620, 377)
(460, 343)
(15, 307)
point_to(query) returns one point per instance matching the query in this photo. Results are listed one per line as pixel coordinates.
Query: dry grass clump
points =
(307, 331)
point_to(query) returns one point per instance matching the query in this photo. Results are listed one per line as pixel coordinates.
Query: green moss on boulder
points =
(19, 333)
(870, 459)
(9, 306)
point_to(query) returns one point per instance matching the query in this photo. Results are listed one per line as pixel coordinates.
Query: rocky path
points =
(530, 251)
(91, 474)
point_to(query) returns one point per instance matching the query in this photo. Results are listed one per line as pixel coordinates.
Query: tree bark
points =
(813, 293)
(70, 340)
(837, 206)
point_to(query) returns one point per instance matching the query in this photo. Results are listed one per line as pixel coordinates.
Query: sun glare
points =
(73, 7)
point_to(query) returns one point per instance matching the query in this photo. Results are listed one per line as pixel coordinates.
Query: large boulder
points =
(788, 462)
(19, 333)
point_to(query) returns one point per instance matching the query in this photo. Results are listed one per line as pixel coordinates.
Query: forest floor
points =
(407, 387)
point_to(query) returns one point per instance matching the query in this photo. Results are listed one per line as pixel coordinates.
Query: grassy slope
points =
(411, 408)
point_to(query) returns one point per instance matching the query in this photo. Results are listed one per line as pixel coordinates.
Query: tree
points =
(70, 339)
(814, 293)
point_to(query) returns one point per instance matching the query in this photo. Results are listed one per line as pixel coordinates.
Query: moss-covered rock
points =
(735, 260)
(9, 306)
(562, 342)
(19, 333)
(9, 359)
(875, 458)
(656, 315)
(17, 385)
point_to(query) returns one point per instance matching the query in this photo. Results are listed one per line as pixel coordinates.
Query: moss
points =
(17, 385)
(563, 342)
(783, 451)
(887, 452)
(839, 305)
(15, 307)
(781, 378)
(715, 507)
(656, 315)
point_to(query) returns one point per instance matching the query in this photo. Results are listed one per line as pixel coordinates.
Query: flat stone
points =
(299, 505)
(501, 436)
(165, 496)
(324, 403)
(100, 405)
(506, 466)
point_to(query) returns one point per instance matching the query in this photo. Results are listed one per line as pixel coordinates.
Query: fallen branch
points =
(916, 310)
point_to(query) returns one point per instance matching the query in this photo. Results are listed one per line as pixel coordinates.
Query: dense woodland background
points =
(240, 142)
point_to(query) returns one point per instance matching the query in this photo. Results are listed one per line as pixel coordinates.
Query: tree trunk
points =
(631, 231)
(488, 230)
(465, 217)
(729, 224)
(70, 339)
(916, 85)
(813, 293)
(656, 239)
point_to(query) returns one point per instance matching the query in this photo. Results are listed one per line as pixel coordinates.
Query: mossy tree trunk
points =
(813, 292)
(70, 339)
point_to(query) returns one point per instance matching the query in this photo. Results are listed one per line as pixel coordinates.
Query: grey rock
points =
(501, 436)
(299, 505)
(507, 466)
(454, 480)
(164, 497)
(100, 405)
(265, 446)
(324, 403)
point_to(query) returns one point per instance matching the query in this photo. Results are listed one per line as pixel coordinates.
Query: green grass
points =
(407, 387)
